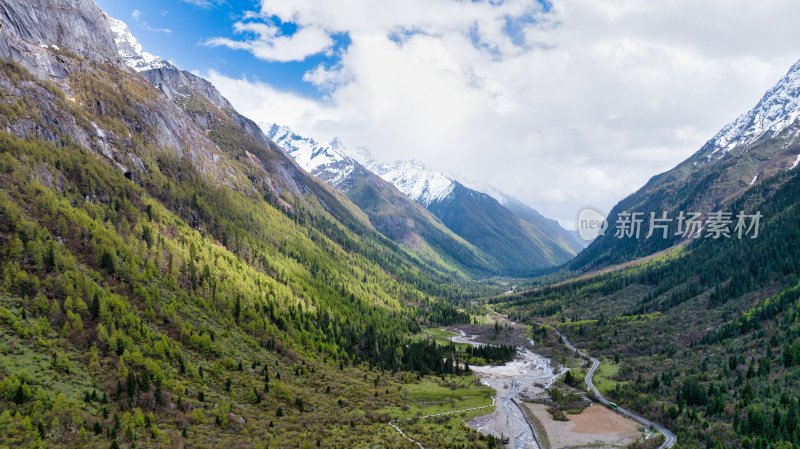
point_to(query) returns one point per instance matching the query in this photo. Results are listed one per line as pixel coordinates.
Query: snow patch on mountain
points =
(327, 161)
(777, 110)
(334, 162)
(130, 50)
(415, 179)
(480, 186)
(796, 161)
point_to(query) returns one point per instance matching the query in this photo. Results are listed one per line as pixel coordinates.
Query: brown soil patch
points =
(596, 426)
(598, 419)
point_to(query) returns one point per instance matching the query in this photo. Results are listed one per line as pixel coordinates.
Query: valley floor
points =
(527, 376)
(522, 418)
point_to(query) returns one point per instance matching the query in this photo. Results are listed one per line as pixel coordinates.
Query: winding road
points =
(670, 438)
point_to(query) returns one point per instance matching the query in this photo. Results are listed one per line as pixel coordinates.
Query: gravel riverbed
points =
(527, 376)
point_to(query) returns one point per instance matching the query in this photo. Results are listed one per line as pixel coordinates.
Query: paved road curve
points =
(670, 438)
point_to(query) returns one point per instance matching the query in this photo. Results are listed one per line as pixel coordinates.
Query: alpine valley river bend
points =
(526, 377)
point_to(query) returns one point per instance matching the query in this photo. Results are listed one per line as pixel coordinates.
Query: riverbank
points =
(526, 377)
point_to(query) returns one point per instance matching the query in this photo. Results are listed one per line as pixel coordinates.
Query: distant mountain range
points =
(389, 210)
(518, 241)
(471, 231)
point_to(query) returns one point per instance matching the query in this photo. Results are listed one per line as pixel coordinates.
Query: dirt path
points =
(392, 423)
(463, 338)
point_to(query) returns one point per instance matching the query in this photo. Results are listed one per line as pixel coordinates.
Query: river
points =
(527, 376)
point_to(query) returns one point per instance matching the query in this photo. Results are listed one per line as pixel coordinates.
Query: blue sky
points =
(563, 105)
(191, 25)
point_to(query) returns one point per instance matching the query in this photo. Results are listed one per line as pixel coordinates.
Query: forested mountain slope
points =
(519, 246)
(465, 228)
(168, 277)
(703, 339)
(761, 143)
(389, 210)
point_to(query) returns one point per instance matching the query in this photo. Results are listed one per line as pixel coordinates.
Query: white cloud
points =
(598, 96)
(205, 3)
(270, 45)
(138, 16)
(263, 102)
(155, 30)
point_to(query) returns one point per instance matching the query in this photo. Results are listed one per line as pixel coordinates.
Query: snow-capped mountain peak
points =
(328, 161)
(334, 162)
(130, 50)
(777, 110)
(364, 157)
(416, 180)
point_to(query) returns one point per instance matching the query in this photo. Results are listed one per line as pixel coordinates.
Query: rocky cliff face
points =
(34, 31)
(82, 90)
(74, 44)
(215, 116)
(177, 84)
